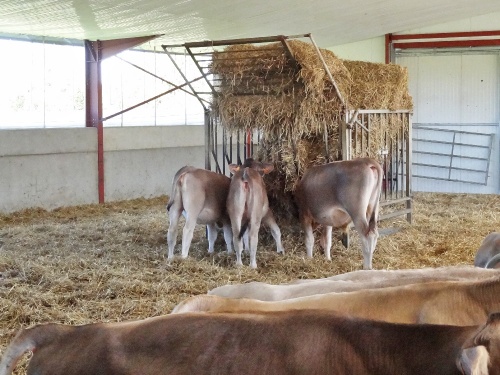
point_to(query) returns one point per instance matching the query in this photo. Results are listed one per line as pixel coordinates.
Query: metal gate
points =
(395, 154)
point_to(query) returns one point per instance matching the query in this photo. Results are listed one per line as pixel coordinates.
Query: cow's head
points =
(261, 167)
(481, 352)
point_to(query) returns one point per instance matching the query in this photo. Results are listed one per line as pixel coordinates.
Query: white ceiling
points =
(331, 22)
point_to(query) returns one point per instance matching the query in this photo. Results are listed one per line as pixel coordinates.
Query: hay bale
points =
(378, 86)
(293, 104)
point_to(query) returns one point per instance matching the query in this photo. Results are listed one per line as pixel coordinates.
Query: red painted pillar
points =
(93, 104)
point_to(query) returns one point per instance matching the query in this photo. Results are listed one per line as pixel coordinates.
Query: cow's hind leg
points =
(228, 237)
(309, 236)
(237, 241)
(212, 236)
(253, 238)
(275, 231)
(173, 215)
(326, 240)
(187, 234)
(368, 235)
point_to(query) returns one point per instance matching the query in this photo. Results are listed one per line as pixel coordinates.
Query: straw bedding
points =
(106, 262)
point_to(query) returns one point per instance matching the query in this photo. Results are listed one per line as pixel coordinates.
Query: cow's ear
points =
(267, 168)
(474, 361)
(486, 333)
(234, 168)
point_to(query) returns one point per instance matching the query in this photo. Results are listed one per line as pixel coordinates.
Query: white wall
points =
(142, 161)
(51, 168)
(481, 23)
(372, 50)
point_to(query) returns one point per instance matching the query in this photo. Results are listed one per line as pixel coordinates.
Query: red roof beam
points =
(463, 34)
(449, 44)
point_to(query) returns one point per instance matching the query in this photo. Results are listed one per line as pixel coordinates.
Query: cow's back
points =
(212, 189)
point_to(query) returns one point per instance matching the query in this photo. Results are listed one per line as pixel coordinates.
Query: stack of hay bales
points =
(295, 106)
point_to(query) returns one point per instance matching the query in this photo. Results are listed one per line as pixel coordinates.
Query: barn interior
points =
(87, 261)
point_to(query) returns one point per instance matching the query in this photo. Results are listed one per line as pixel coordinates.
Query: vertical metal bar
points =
(345, 143)
(93, 104)
(325, 139)
(224, 149)
(208, 145)
(244, 147)
(402, 146)
(369, 126)
(231, 148)
(489, 159)
(238, 157)
(409, 202)
(216, 143)
(385, 168)
(451, 155)
(365, 148)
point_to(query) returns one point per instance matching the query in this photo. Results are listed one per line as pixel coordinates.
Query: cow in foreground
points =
(488, 254)
(462, 271)
(439, 302)
(336, 194)
(379, 279)
(248, 206)
(285, 343)
(201, 195)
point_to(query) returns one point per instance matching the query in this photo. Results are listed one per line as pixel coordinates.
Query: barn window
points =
(43, 83)
(43, 86)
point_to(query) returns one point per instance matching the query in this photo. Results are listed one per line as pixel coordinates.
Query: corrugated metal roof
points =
(332, 22)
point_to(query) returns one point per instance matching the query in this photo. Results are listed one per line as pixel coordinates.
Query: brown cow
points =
(201, 195)
(337, 193)
(283, 343)
(488, 254)
(248, 206)
(380, 279)
(462, 271)
(438, 302)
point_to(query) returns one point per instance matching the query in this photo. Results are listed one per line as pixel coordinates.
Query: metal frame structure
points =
(222, 149)
(95, 52)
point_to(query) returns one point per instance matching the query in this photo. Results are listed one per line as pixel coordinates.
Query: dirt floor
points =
(107, 262)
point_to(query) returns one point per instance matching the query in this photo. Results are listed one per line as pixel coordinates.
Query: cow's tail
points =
(175, 194)
(26, 340)
(379, 174)
(244, 227)
(248, 201)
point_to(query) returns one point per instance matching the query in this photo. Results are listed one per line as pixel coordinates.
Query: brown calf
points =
(248, 206)
(284, 343)
(337, 193)
(201, 195)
